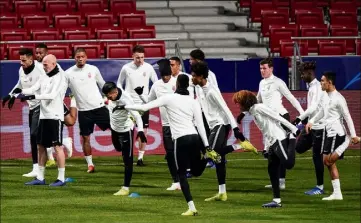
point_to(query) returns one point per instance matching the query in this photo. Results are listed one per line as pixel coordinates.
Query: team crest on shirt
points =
(89, 75)
(144, 74)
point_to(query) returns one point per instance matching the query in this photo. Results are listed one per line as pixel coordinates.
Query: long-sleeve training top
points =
(181, 110)
(270, 92)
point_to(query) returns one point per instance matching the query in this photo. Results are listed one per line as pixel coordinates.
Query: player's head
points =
(245, 99)
(41, 50)
(164, 70)
(26, 57)
(138, 55)
(49, 63)
(307, 71)
(328, 81)
(199, 72)
(111, 91)
(182, 84)
(266, 67)
(80, 57)
(196, 56)
(175, 65)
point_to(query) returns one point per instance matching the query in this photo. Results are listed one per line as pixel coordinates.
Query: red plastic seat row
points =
(94, 50)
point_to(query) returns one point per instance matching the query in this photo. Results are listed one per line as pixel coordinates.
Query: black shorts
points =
(218, 137)
(123, 142)
(167, 139)
(145, 119)
(34, 115)
(98, 116)
(50, 133)
(332, 143)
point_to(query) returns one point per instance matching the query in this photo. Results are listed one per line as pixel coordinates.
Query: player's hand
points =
(308, 127)
(142, 137)
(296, 121)
(139, 90)
(27, 97)
(240, 117)
(355, 140)
(238, 134)
(331, 159)
(17, 91)
(11, 102)
(119, 107)
(5, 99)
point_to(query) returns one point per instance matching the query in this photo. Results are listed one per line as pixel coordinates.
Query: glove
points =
(265, 154)
(296, 121)
(240, 117)
(305, 121)
(17, 91)
(118, 108)
(213, 155)
(5, 99)
(27, 97)
(139, 90)
(238, 134)
(142, 137)
(11, 102)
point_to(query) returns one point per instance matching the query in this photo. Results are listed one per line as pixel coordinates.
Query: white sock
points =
(140, 155)
(277, 200)
(125, 188)
(222, 188)
(336, 186)
(61, 174)
(320, 187)
(282, 180)
(188, 170)
(236, 146)
(191, 206)
(89, 160)
(49, 152)
(41, 173)
(35, 167)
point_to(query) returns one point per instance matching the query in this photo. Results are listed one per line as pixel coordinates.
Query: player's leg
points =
(33, 125)
(70, 116)
(86, 125)
(282, 166)
(142, 145)
(169, 149)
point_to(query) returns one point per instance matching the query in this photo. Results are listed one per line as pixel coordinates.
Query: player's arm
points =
(153, 75)
(32, 89)
(219, 101)
(287, 93)
(162, 101)
(199, 123)
(121, 78)
(99, 78)
(213, 79)
(56, 87)
(342, 105)
(316, 100)
(152, 95)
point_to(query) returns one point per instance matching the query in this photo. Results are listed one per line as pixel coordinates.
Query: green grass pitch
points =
(90, 198)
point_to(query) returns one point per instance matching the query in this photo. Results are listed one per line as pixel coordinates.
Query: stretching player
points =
(336, 142)
(218, 117)
(134, 74)
(315, 98)
(280, 143)
(188, 148)
(271, 91)
(122, 129)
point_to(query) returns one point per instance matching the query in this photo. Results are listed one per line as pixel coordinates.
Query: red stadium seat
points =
(99, 20)
(256, 8)
(36, 21)
(60, 51)
(3, 53)
(48, 34)
(281, 3)
(58, 6)
(312, 16)
(90, 6)
(123, 6)
(156, 49)
(287, 48)
(67, 21)
(112, 33)
(301, 4)
(332, 47)
(27, 6)
(323, 3)
(281, 32)
(13, 50)
(132, 20)
(10, 21)
(119, 50)
(93, 51)
(337, 30)
(244, 3)
(77, 34)
(342, 17)
(313, 31)
(5, 7)
(142, 33)
(13, 35)
(358, 47)
(343, 4)
(273, 17)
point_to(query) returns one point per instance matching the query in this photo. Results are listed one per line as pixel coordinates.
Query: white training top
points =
(190, 89)
(51, 95)
(181, 110)
(269, 122)
(315, 98)
(270, 92)
(28, 80)
(134, 76)
(120, 120)
(214, 107)
(84, 84)
(337, 110)
(212, 79)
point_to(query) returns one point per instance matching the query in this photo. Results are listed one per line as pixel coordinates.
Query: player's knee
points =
(69, 122)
